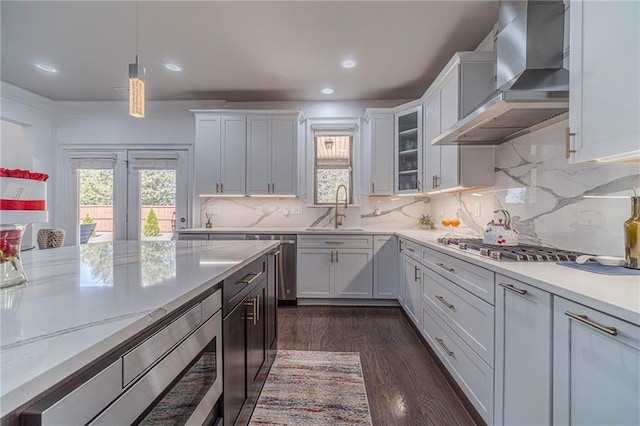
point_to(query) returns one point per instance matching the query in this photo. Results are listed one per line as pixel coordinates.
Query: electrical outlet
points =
(296, 209)
(259, 211)
(284, 210)
(476, 210)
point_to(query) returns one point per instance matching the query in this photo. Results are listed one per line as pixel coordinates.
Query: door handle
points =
(419, 186)
(337, 258)
(373, 188)
(252, 315)
(400, 245)
(567, 142)
(331, 256)
(273, 188)
(513, 289)
(612, 331)
(222, 188)
(416, 277)
(444, 302)
(257, 307)
(217, 188)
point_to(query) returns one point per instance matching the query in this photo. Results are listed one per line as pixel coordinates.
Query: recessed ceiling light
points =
(46, 68)
(173, 67)
(327, 91)
(121, 90)
(349, 63)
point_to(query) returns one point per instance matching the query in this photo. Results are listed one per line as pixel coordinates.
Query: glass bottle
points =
(632, 236)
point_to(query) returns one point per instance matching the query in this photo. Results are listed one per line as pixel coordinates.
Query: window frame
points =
(349, 166)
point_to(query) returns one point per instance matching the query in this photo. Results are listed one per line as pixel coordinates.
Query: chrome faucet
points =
(337, 221)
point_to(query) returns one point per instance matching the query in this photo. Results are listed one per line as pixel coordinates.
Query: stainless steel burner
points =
(522, 253)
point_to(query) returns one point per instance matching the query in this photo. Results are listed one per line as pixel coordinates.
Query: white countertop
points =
(283, 231)
(616, 295)
(82, 301)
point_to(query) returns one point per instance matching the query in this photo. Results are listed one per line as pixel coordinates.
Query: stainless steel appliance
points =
(533, 85)
(286, 268)
(521, 253)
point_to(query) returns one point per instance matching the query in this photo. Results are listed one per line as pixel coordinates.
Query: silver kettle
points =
(500, 234)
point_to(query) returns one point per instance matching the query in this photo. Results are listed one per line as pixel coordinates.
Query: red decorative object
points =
(22, 205)
(23, 174)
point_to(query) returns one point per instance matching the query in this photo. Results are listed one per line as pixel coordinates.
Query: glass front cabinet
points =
(408, 151)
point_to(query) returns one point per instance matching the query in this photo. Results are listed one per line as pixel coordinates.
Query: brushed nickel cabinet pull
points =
(217, 188)
(513, 288)
(222, 188)
(373, 188)
(419, 186)
(416, 275)
(612, 331)
(445, 267)
(246, 281)
(567, 142)
(433, 181)
(337, 257)
(410, 249)
(447, 304)
(334, 242)
(400, 245)
(446, 349)
(257, 307)
(331, 256)
(437, 181)
(252, 316)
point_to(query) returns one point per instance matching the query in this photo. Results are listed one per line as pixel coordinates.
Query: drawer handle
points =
(447, 304)
(274, 253)
(446, 349)
(247, 282)
(584, 319)
(410, 249)
(334, 242)
(513, 289)
(443, 266)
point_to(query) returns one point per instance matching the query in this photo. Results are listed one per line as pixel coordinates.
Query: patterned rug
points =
(313, 388)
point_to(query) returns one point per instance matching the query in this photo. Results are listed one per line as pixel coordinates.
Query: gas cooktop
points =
(521, 253)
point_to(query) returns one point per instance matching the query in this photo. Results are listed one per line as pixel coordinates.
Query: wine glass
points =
(446, 223)
(455, 222)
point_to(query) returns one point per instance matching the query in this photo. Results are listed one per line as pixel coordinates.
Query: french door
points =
(124, 194)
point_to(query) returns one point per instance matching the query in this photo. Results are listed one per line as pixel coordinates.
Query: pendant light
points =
(136, 78)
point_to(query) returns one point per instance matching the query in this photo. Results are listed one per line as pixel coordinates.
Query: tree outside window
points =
(333, 155)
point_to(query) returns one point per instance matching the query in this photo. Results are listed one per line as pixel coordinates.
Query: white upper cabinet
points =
(271, 155)
(233, 157)
(604, 82)
(408, 150)
(207, 151)
(381, 136)
(465, 82)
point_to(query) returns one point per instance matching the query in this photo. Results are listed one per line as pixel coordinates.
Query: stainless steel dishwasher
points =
(286, 271)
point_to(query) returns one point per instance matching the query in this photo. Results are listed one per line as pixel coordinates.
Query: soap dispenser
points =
(632, 235)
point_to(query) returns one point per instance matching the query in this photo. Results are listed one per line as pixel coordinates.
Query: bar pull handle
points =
(331, 256)
(612, 331)
(373, 188)
(337, 257)
(257, 308)
(446, 349)
(222, 188)
(334, 242)
(419, 186)
(513, 288)
(252, 315)
(400, 245)
(445, 267)
(217, 188)
(567, 142)
(249, 281)
(437, 181)
(416, 273)
(444, 302)
(410, 249)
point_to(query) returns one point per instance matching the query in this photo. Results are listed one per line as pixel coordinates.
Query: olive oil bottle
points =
(632, 235)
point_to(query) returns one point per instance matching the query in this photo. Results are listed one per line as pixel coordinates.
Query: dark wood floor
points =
(404, 384)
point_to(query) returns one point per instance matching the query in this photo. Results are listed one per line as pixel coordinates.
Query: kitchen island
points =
(83, 302)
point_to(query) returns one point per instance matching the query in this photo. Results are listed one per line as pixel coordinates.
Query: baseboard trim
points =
(347, 302)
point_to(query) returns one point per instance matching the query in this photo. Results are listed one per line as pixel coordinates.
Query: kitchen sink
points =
(328, 230)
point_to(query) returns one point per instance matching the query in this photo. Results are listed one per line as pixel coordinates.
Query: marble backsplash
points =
(374, 212)
(572, 206)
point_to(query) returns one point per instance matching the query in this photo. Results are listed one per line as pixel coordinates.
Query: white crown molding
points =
(17, 94)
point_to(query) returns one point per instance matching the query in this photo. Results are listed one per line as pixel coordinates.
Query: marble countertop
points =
(81, 301)
(616, 295)
(290, 230)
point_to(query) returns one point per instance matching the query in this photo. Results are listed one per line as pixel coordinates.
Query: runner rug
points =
(313, 388)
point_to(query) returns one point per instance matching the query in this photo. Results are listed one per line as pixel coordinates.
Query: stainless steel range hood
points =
(533, 83)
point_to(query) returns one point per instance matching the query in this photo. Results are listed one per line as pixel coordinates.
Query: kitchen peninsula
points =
(85, 306)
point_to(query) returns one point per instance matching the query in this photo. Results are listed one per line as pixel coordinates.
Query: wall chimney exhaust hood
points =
(533, 85)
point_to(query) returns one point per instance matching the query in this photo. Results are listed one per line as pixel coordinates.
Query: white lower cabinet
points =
(413, 289)
(385, 267)
(473, 375)
(315, 273)
(596, 367)
(523, 354)
(353, 274)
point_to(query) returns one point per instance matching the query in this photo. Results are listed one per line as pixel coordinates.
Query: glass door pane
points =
(157, 194)
(95, 188)
(408, 157)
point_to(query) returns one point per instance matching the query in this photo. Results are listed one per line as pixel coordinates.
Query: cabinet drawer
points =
(410, 248)
(145, 354)
(475, 279)
(469, 316)
(471, 373)
(335, 241)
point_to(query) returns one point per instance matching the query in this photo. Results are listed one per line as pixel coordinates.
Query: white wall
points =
(34, 115)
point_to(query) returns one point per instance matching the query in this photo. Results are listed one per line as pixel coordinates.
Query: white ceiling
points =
(238, 50)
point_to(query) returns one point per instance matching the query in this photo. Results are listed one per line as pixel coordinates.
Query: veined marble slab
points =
(80, 302)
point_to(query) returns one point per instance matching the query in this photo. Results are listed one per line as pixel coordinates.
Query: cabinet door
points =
(412, 304)
(271, 311)
(449, 115)
(432, 130)
(402, 281)
(604, 84)
(353, 273)
(408, 147)
(284, 155)
(596, 369)
(381, 128)
(257, 346)
(235, 382)
(523, 354)
(207, 151)
(385, 267)
(233, 156)
(315, 270)
(258, 164)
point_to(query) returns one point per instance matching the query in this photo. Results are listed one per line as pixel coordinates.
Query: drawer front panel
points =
(473, 375)
(211, 305)
(145, 354)
(469, 316)
(335, 241)
(410, 248)
(472, 278)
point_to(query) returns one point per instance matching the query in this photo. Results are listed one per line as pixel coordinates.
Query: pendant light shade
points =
(136, 90)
